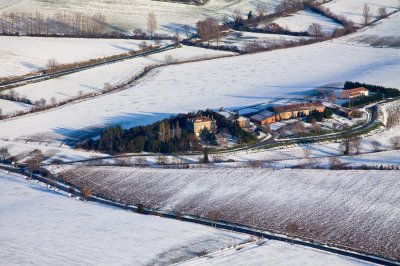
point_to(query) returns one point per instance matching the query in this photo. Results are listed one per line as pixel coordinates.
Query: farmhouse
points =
(197, 124)
(284, 112)
(354, 93)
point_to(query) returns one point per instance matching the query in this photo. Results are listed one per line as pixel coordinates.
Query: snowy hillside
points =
(93, 80)
(386, 33)
(281, 75)
(302, 20)
(41, 227)
(359, 209)
(353, 10)
(22, 55)
(126, 14)
(9, 107)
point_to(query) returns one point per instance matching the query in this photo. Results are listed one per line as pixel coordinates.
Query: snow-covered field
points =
(359, 209)
(9, 107)
(302, 20)
(242, 39)
(22, 55)
(385, 33)
(230, 82)
(41, 227)
(271, 253)
(353, 10)
(93, 80)
(127, 14)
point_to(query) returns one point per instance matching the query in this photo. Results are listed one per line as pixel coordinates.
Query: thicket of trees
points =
(166, 136)
(208, 29)
(318, 116)
(75, 24)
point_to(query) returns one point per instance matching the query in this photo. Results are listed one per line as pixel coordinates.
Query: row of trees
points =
(62, 23)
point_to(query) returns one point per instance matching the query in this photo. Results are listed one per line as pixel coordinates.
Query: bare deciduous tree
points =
(335, 163)
(395, 142)
(376, 145)
(237, 15)
(356, 145)
(255, 164)
(292, 229)
(53, 100)
(176, 38)
(345, 146)
(262, 9)
(366, 15)
(307, 153)
(4, 154)
(315, 30)
(382, 13)
(34, 160)
(253, 47)
(208, 29)
(282, 131)
(143, 45)
(186, 29)
(52, 64)
(107, 87)
(151, 24)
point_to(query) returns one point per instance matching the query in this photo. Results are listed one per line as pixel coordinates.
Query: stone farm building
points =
(264, 118)
(354, 93)
(284, 112)
(197, 124)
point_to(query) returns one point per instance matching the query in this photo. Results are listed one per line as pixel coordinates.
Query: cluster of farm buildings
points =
(278, 113)
(285, 112)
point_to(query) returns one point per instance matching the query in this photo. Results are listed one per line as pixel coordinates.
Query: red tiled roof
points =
(200, 119)
(297, 107)
(355, 90)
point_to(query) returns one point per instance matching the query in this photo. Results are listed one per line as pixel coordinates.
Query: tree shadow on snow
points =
(71, 137)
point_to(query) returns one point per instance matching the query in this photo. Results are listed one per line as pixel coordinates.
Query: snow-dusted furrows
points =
(357, 209)
(22, 55)
(40, 227)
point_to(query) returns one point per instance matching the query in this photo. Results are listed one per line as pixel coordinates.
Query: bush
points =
(85, 192)
(140, 208)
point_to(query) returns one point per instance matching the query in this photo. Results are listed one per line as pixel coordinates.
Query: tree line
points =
(165, 136)
(76, 24)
